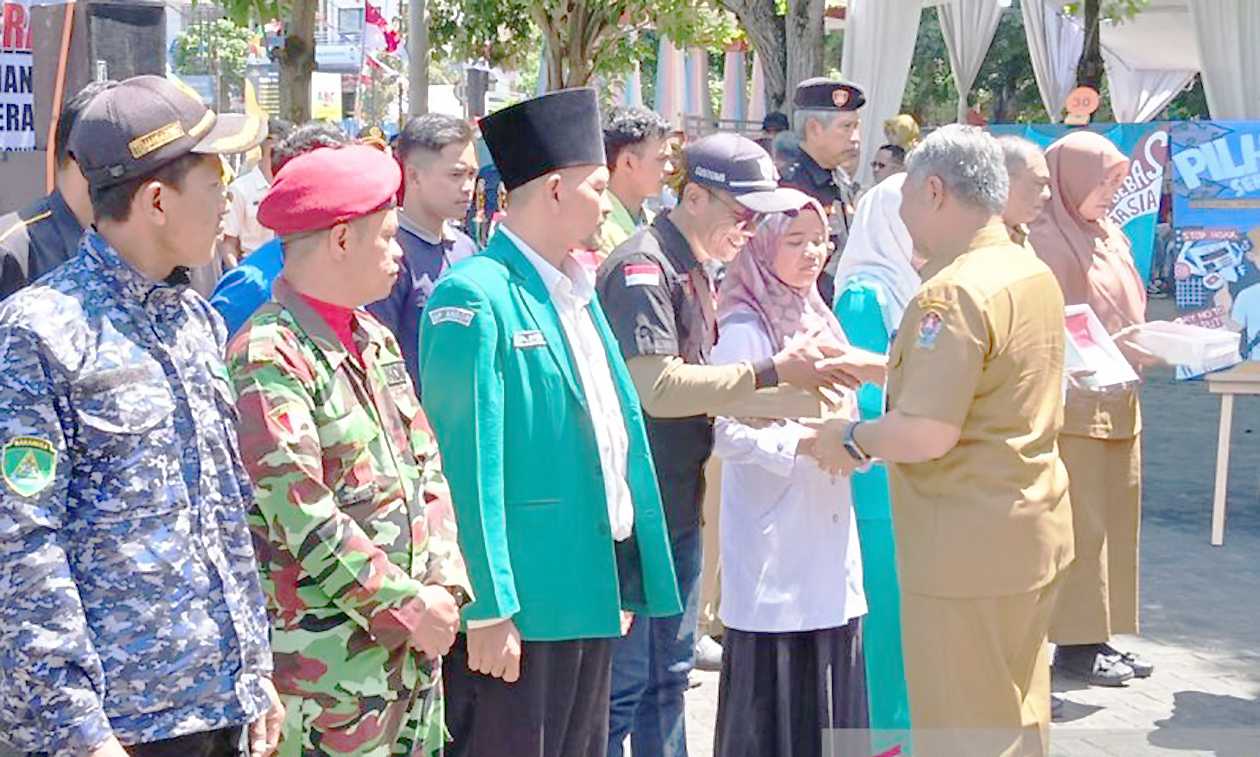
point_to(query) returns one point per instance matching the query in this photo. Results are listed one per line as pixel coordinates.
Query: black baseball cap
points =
(146, 122)
(821, 93)
(775, 122)
(738, 165)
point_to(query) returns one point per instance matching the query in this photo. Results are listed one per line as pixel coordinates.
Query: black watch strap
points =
(765, 374)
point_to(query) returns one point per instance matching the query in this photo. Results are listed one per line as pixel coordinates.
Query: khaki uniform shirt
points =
(981, 348)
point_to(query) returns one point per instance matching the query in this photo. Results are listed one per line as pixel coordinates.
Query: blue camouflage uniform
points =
(129, 594)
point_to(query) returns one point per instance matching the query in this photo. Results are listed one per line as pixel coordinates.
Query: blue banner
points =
(1136, 208)
(1216, 214)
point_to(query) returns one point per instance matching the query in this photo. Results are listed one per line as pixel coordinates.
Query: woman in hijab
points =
(792, 596)
(875, 281)
(1099, 443)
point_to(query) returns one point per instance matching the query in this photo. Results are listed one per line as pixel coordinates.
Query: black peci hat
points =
(554, 131)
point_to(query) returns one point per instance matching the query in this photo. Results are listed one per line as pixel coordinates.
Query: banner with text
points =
(1136, 207)
(17, 95)
(1216, 214)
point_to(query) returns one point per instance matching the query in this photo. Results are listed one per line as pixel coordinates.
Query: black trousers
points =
(558, 707)
(225, 742)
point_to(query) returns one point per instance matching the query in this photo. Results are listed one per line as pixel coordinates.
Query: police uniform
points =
(130, 602)
(35, 240)
(983, 532)
(828, 187)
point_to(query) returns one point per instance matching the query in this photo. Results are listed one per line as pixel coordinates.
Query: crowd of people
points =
(316, 463)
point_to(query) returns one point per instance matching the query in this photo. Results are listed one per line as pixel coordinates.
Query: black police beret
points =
(821, 93)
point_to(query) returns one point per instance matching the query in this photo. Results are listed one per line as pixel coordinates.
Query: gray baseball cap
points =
(146, 122)
(739, 166)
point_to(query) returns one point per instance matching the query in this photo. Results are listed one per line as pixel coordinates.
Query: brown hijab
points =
(1091, 259)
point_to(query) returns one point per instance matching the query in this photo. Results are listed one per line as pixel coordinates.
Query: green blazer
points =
(518, 449)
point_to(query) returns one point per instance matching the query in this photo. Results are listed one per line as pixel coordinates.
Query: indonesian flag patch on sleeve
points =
(642, 274)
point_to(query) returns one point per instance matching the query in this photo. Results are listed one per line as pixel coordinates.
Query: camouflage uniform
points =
(129, 594)
(352, 517)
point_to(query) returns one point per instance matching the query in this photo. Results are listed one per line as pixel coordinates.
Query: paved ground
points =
(1200, 604)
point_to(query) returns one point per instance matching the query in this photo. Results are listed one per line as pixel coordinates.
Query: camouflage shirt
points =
(129, 593)
(352, 517)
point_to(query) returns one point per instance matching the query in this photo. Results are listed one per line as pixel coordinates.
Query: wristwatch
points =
(852, 447)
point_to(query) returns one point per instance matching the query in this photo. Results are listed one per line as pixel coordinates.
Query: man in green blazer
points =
(544, 447)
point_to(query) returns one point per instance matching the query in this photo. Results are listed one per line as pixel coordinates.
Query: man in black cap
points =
(660, 302)
(827, 123)
(544, 449)
(131, 613)
(37, 239)
(772, 126)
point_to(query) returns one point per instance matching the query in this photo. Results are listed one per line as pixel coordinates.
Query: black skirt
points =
(792, 694)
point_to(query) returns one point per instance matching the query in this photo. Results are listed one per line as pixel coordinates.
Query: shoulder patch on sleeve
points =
(28, 464)
(462, 316)
(929, 328)
(642, 274)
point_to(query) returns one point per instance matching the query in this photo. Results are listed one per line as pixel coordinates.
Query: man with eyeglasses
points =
(659, 299)
(889, 160)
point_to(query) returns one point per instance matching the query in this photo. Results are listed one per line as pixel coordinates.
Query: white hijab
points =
(879, 250)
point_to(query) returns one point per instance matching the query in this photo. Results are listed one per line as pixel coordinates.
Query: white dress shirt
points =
(244, 196)
(791, 560)
(571, 291)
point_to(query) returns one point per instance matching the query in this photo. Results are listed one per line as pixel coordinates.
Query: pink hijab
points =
(751, 285)
(1091, 259)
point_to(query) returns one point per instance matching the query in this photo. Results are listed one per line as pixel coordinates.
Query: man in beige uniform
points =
(1030, 185)
(979, 494)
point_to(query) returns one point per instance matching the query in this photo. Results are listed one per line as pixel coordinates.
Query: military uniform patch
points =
(395, 374)
(929, 329)
(462, 316)
(28, 464)
(642, 274)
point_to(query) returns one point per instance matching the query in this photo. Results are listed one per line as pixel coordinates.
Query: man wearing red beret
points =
(352, 519)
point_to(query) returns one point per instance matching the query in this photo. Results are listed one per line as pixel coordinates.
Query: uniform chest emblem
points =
(642, 275)
(28, 464)
(527, 339)
(929, 329)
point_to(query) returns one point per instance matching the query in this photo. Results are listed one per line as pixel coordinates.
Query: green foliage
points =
(583, 38)
(1189, 105)
(215, 47)
(1112, 10)
(248, 11)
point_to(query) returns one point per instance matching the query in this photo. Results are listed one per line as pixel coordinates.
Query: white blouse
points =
(789, 543)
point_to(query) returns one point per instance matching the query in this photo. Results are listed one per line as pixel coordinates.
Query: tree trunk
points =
(297, 61)
(768, 34)
(418, 58)
(804, 31)
(1089, 73)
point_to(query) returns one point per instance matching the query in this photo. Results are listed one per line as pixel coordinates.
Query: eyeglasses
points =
(744, 217)
(878, 165)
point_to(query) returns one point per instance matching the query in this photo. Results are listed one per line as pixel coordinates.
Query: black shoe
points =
(1141, 668)
(1088, 662)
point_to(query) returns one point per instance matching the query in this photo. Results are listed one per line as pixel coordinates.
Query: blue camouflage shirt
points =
(129, 595)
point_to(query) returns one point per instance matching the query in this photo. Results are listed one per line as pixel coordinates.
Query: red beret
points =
(328, 186)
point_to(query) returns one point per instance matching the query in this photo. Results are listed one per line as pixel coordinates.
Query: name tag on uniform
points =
(462, 316)
(642, 275)
(395, 374)
(526, 339)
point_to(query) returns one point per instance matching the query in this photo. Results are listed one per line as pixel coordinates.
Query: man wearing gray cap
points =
(132, 620)
(827, 123)
(660, 303)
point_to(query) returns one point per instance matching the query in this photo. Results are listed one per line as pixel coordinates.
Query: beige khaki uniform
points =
(983, 532)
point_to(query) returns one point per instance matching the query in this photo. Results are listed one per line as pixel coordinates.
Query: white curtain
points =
(1138, 95)
(670, 85)
(1227, 32)
(878, 47)
(968, 27)
(1055, 45)
(734, 86)
(632, 88)
(757, 100)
